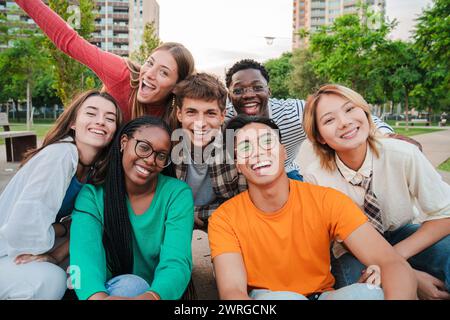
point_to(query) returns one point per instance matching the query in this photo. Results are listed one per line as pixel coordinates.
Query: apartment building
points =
(311, 14)
(118, 27)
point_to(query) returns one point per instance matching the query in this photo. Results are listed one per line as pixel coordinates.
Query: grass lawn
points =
(414, 131)
(402, 122)
(445, 166)
(40, 129)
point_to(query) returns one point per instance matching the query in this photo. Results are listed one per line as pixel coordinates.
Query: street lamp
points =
(269, 40)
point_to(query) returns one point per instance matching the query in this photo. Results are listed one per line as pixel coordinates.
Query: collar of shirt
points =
(352, 176)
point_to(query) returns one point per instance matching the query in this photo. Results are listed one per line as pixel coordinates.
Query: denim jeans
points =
(434, 260)
(357, 291)
(31, 281)
(127, 285)
(295, 175)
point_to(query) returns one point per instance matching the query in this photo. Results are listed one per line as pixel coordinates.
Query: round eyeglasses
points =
(143, 150)
(254, 89)
(266, 141)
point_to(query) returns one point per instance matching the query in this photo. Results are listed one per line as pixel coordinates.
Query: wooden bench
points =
(16, 142)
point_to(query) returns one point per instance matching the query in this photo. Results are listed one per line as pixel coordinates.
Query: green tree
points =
(71, 76)
(150, 41)
(279, 72)
(345, 52)
(303, 79)
(21, 69)
(432, 41)
(4, 37)
(44, 94)
(404, 72)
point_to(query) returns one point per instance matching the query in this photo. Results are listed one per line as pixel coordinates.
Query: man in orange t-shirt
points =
(273, 241)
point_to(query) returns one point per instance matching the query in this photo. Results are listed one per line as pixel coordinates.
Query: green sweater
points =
(161, 242)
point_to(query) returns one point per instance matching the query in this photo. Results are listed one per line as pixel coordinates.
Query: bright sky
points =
(221, 32)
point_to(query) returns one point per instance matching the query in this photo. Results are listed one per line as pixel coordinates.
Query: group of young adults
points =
(127, 172)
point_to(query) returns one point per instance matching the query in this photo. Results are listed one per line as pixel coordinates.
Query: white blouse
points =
(31, 200)
(403, 181)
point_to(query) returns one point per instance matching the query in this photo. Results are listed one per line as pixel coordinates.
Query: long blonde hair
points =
(324, 151)
(185, 65)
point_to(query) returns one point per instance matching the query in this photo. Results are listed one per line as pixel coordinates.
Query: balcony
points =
(115, 16)
(318, 5)
(350, 3)
(124, 4)
(117, 40)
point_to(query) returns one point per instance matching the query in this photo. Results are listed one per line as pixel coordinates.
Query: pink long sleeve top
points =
(110, 68)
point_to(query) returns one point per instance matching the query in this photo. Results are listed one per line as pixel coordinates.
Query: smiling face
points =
(202, 120)
(249, 92)
(259, 154)
(158, 76)
(342, 125)
(142, 171)
(96, 123)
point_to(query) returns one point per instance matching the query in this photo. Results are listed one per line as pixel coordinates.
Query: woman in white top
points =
(391, 180)
(33, 241)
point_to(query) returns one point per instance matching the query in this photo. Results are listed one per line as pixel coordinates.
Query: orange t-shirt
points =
(287, 250)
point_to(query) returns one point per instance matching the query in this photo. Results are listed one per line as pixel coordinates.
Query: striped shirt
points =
(288, 115)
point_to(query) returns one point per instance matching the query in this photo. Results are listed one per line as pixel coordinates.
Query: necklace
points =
(85, 165)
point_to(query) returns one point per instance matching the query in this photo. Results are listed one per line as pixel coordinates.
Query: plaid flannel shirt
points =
(225, 180)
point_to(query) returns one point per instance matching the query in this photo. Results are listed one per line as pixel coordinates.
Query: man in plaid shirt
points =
(198, 155)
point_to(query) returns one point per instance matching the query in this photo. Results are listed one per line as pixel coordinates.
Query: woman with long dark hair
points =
(33, 240)
(139, 90)
(131, 234)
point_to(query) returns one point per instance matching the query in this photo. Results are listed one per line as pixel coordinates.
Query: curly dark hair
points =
(243, 65)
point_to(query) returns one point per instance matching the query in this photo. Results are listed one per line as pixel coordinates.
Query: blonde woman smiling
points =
(388, 179)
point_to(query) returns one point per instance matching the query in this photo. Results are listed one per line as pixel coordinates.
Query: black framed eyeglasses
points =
(266, 141)
(143, 150)
(255, 89)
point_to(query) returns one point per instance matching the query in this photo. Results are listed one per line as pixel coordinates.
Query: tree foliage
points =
(345, 51)
(26, 62)
(150, 41)
(71, 76)
(279, 71)
(432, 41)
(303, 79)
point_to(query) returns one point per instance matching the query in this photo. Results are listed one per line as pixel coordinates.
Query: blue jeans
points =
(434, 260)
(295, 175)
(127, 285)
(357, 291)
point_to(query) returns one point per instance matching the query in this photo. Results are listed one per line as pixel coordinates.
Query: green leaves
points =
(71, 76)
(279, 71)
(432, 42)
(150, 41)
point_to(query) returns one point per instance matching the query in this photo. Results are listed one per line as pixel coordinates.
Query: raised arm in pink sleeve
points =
(110, 68)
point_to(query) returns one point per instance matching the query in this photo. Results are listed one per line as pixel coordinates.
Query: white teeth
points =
(142, 170)
(148, 84)
(200, 133)
(349, 134)
(97, 131)
(261, 164)
(250, 105)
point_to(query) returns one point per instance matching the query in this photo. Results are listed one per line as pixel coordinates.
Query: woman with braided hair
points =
(131, 233)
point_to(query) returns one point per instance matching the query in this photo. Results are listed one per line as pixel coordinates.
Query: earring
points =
(173, 102)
